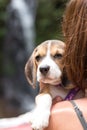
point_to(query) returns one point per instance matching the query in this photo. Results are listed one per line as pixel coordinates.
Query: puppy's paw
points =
(39, 120)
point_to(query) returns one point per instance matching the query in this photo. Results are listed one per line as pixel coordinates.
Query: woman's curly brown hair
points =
(75, 32)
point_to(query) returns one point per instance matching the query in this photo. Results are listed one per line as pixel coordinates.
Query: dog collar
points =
(72, 93)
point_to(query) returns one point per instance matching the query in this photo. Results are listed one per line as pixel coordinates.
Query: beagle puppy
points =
(46, 67)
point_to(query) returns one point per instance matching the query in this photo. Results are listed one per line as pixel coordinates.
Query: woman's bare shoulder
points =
(67, 106)
(63, 116)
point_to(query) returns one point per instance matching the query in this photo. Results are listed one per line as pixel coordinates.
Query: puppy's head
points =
(45, 63)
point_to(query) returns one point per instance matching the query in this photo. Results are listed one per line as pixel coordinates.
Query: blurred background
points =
(23, 25)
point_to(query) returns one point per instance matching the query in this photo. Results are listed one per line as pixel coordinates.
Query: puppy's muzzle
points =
(44, 70)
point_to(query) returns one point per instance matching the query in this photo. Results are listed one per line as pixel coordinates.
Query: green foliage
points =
(3, 4)
(48, 20)
(3, 16)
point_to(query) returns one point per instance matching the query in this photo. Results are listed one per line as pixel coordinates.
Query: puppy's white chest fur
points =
(58, 91)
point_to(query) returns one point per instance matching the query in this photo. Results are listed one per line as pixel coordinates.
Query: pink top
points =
(20, 127)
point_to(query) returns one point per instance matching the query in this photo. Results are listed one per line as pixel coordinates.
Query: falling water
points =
(18, 45)
(27, 20)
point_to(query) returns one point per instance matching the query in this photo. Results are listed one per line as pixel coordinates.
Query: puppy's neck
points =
(58, 91)
(53, 90)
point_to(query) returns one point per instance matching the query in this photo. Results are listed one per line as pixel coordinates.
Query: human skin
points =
(63, 116)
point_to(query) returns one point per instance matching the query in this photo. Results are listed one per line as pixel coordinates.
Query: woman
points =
(63, 115)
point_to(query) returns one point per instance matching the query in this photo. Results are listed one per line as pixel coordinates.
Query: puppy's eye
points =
(58, 56)
(38, 57)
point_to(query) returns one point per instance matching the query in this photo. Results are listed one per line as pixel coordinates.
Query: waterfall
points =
(19, 43)
(26, 15)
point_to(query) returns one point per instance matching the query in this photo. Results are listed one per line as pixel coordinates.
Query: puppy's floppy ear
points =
(30, 71)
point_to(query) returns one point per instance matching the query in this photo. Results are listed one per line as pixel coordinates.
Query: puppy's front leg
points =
(40, 115)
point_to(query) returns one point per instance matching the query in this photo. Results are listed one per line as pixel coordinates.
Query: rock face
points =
(18, 96)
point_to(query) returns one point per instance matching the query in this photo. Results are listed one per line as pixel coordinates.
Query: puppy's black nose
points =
(44, 70)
